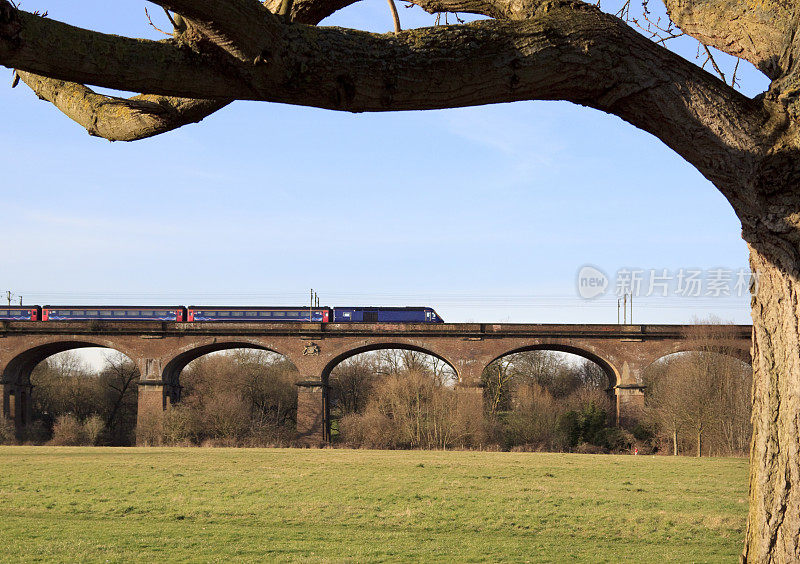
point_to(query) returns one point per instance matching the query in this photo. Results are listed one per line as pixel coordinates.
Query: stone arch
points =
(613, 374)
(383, 345)
(739, 352)
(16, 394)
(313, 410)
(170, 373)
(19, 368)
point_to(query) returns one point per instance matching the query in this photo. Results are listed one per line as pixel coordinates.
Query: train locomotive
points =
(199, 314)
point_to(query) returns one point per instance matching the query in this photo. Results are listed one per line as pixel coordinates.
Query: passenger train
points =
(197, 314)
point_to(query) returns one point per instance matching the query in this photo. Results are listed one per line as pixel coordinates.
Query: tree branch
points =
(243, 28)
(574, 53)
(119, 119)
(310, 12)
(754, 31)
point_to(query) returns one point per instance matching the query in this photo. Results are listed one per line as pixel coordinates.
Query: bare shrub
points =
(178, 426)
(150, 427)
(225, 416)
(533, 418)
(588, 448)
(268, 435)
(93, 427)
(35, 433)
(412, 409)
(370, 429)
(68, 431)
(8, 431)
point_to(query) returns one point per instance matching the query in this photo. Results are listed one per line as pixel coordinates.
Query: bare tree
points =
(352, 382)
(64, 384)
(694, 385)
(223, 50)
(663, 403)
(120, 376)
(497, 379)
(704, 390)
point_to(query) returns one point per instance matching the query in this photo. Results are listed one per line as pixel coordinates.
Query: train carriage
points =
(113, 313)
(259, 314)
(386, 315)
(20, 313)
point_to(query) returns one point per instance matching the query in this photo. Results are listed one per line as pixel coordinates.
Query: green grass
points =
(104, 504)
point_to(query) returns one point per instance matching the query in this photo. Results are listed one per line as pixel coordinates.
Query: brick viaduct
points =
(162, 350)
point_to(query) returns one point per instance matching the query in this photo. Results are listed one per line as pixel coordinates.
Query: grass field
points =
(103, 504)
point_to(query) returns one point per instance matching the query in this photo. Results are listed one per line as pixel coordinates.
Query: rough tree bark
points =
(224, 50)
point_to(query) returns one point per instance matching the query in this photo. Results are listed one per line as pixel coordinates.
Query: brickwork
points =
(162, 350)
(312, 416)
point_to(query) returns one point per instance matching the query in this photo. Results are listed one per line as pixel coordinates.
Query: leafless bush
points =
(370, 429)
(178, 426)
(92, 428)
(414, 410)
(69, 431)
(35, 433)
(532, 420)
(150, 429)
(8, 432)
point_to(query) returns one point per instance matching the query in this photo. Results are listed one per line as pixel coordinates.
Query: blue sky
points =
(486, 213)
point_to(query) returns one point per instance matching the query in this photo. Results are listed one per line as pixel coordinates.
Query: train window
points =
(265, 314)
(4, 312)
(280, 313)
(236, 313)
(119, 313)
(223, 313)
(251, 313)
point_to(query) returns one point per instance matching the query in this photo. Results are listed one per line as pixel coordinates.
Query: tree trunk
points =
(773, 525)
(699, 443)
(675, 442)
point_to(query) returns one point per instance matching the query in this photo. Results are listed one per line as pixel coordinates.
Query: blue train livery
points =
(114, 313)
(386, 315)
(20, 313)
(256, 314)
(253, 314)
